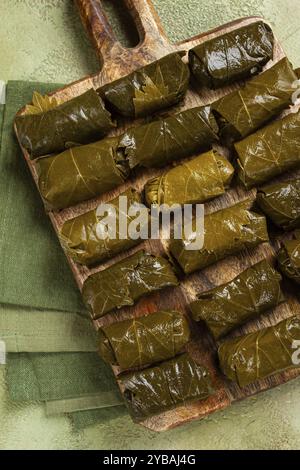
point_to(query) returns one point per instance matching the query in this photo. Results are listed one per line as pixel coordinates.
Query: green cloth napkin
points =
(33, 269)
(83, 419)
(59, 376)
(93, 402)
(30, 330)
(1, 120)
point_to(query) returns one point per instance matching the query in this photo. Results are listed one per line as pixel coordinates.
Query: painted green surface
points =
(43, 40)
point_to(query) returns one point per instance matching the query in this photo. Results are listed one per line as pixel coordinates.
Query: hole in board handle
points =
(121, 22)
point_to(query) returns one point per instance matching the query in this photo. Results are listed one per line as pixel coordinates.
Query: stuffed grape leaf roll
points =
(178, 381)
(281, 203)
(251, 293)
(263, 97)
(195, 181)
(270, 151)
(149, 89)
(226, 232)
(81, 173)
(233, 56)
(81, 120)
(126, 282)
(145, 340)
(258, 355)
(289, 258)
(165, 140)
(81, 235)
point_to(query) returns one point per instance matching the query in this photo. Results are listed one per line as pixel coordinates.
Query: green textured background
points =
(44, 40)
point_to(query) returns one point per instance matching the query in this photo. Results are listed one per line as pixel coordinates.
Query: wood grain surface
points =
(118, 61)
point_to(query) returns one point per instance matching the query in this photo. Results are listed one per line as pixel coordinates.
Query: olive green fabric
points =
(84, 419)
(101, 400)
(57, 376)
(33, 269)
(2, 106)
(30, 330)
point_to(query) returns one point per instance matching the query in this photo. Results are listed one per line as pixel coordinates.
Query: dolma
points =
(281, 203)
(258, 355)
(263, 97)
(226, 232)
(165, 386)
(126, 282)
(144, 340)
(270, 151)
(251, 293)
(81, 173)
(80, 120)
(195, 181)
(149, 89)
(233, 56)
(80, 236)
(165, 140)
(289, 258)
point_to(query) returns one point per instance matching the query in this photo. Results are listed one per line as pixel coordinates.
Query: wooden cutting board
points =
(118, 61)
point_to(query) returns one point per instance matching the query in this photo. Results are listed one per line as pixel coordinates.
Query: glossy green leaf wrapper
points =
(81, 173)
(126, 282)
(165, 386)
(232, 56)
(165, 140)
(81, 236)
(195, 181)
(80, 120)
(258, 355)
(144, 340)
(270, 151)
(226, 232)
(230, 305)
(289, 258)
(149, 89)
(245, 110)
(281, 203)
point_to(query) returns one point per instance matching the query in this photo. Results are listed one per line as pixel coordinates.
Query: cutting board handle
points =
(109, 49)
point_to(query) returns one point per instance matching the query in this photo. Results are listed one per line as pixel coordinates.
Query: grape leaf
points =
(127, 281)
(158, 85)
(195, 181)
(232, 304)
(169, 384)
(258, 355)
(41, 103)
(151, 95)
(263, 97)
(270, 151)
(226, 232)
(281, 203)
(145, 340)
(79, 235)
